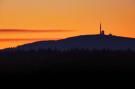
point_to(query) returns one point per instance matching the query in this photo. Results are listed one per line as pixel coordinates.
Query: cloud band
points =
(31, 31)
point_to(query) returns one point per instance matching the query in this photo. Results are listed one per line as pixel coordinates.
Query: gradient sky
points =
(56, 19)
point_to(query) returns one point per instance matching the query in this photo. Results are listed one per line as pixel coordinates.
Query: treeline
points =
(67, 55)
(27, 62)
(73, 54)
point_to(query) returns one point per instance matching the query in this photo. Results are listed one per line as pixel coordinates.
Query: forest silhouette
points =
(59, 68)
(25, 62)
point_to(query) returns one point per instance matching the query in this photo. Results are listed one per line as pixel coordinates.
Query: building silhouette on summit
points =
(102, 32)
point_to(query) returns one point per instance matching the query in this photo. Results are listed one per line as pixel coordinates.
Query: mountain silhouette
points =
(84, 42)
(76, 65)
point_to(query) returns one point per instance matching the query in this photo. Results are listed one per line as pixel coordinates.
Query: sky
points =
(24, 21)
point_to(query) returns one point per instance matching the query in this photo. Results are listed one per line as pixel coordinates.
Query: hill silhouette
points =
(89, 58)
(84, 42)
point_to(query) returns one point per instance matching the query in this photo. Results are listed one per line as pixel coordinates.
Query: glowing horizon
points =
(53, 19)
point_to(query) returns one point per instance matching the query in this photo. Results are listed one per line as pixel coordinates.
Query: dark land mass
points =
(81, 63)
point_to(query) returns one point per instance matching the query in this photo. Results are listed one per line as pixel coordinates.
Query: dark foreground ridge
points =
(76, 66)
(74, 59)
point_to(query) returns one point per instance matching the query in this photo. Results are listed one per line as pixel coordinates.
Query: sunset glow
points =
(24, 21)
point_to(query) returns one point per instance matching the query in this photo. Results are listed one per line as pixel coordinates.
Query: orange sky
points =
(53, 19)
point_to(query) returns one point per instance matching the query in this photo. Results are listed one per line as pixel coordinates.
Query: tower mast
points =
(102, 32)
(100, 28)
